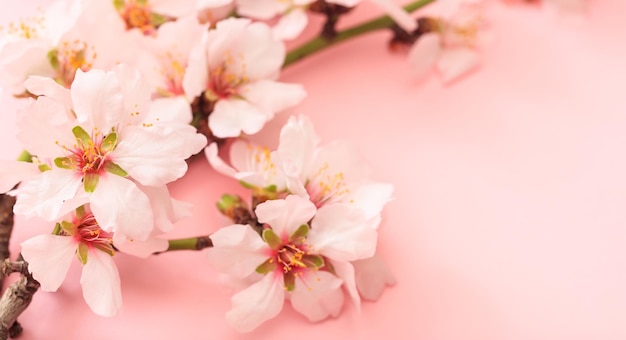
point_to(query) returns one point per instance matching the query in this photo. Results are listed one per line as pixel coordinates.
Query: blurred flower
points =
(296, 260)
(234, 68)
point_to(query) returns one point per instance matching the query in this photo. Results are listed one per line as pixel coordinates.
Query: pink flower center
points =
(89, 158)
(72, 56)
(138, 16)
(223, 83)
(290, 258)
(325, 186)
(88, 231)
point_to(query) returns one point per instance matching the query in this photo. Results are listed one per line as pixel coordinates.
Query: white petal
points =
(345, 271)
(257, 303)
(44, 194)
(317, 295)
(371, 197)
(150, 157)
(457, 62)
(49, 258)
(341, 232)
(98, 100)
(237, 250)
(119, 205)
(211, 153)
(231, 117)
(424, 53)
(13, 172)
(272, 96)
(101, 284)
(398, 14)
(285, 215)
(45, 86)
(135, 90)
(291, 24)
(197, 71)
(261, 9)
(177, 8)
(142, 249)
(372, 275)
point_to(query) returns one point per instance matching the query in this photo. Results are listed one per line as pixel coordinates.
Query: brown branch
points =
(6, 226)
(16, 298)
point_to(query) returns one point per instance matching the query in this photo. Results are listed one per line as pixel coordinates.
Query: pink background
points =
(509, 211)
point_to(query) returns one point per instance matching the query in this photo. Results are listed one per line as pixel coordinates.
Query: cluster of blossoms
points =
(119, 94)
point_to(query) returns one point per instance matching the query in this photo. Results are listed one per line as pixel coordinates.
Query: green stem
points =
(319, 43)
(192, 243)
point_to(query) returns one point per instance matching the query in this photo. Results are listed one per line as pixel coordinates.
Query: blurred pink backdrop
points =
(509, 213)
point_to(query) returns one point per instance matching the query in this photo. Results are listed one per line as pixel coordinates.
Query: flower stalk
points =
(319, 43)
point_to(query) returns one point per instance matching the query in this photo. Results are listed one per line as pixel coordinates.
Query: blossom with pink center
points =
(235, 68)
(49, 257)
(293, 258)
(452, 43)
(99, 142)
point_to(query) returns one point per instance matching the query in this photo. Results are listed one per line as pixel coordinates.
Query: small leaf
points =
(270, 237)
(266, 266)
(115, 169)
(68, 227)
(247, 185)
(300, 233)
(109, 142)
(90, 181)
(157, 19)
(62, 162)
(83, 251)
(81, 135)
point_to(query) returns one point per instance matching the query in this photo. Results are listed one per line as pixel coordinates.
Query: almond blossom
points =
(451, 42)
(234, 68)
(49, 257)
(99, 142)
(293, 258)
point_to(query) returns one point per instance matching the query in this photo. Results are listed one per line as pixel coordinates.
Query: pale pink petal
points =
(457, 62)
(44, 194)
(162, 206)
(49, 258)
(255, 166)
(143, 249)
(101, 284)
(196, 74)
(272, 96)
(237, 250)
(145, 157)
(171, 110)
(13, 172)
(372, 275)
(173, 8)
(398, 14)
(258, 303)
(295, 152)
(341, 232)
(261, 9)
(213, 3)
(291, 24)
(45, 86)
(346, 3)
(19, 59)
(317, 295)
(345, 271)
(424, 53)
(119, 205)
(211, 153)
(371, 197)
(135, 90)
(98, 100)
(285, 215)
(231, 117)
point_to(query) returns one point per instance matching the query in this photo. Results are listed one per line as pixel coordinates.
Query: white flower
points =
(49, 258)
(234, 68)
(453, 46)
(293, 258)
(101, 139)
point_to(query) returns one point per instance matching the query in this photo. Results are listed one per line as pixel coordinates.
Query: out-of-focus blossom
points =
(451, 43)
(235, 68)
(292, 257)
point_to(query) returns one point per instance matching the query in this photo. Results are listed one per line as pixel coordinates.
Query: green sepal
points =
(105, 248)
(83, 251)
(44, 167)
(247, 185)
(57, 229)
(316, 261)
(63, 162)
(270, 237)
(266, 266)
(53, 58)
(119, 4)
(81, 135)
(115, 169)
(300, 233)
(68, 227)
(290, 281)
(271, 188)
(109, 142)
(25, 156)
(157, 19)
(80, 212)
(90, 181)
